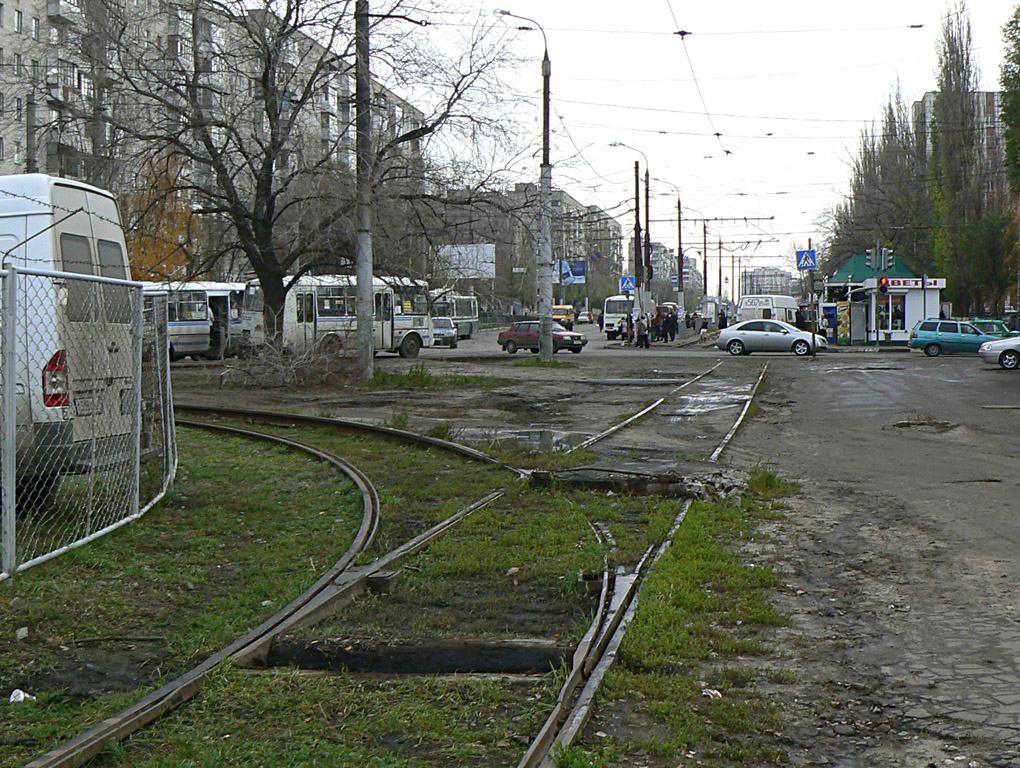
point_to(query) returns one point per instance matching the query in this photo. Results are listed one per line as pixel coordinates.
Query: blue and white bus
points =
(204, 317)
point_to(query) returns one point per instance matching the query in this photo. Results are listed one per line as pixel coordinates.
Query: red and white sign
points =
(907, 282)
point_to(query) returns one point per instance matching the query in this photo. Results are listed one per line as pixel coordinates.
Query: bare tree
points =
(254, 105)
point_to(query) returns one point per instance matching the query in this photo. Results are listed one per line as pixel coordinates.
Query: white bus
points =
(321, 312)
(614, 315)
(462, 308)
(203, 317)
(75, 377)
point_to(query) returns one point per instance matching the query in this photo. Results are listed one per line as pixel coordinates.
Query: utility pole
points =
(363, 252)
(649, 274)
(639, 262)
(679, 256)
(31, 161)
(704, 253)
(720, 270)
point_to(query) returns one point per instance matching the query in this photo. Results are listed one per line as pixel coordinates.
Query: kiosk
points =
(904, 302)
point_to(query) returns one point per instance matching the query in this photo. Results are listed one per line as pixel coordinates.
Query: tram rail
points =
(594, 655)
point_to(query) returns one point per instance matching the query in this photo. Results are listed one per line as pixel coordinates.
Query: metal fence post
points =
(8, 420)
(139, 328)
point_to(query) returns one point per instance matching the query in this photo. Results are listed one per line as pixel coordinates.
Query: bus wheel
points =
(409, 346)
(331, 345)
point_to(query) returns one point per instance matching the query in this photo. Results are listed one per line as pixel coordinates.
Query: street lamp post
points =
(545, 262)
(642, 264)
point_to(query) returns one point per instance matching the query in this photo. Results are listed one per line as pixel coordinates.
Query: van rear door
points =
(97, 320)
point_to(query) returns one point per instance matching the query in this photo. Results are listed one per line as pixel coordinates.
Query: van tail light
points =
(56, 391)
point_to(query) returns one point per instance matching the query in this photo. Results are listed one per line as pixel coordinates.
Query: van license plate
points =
(88, 406)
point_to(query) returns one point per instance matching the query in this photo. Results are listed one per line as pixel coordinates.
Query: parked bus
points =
(74, 378)
(614, 315)
(321, 312)
(460, 307)
(203, 317)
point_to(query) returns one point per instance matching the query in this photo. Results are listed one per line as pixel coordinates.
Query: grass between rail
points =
(688, 685)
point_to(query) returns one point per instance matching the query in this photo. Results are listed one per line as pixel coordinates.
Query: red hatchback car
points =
(525, 335)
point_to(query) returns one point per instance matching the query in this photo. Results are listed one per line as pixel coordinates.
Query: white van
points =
(765, 307)
(77, 399)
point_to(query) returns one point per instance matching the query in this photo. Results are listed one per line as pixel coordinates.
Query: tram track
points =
(593, 656)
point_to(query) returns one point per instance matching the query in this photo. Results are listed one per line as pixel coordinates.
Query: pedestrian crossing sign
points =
(628, 283)
(807, 260)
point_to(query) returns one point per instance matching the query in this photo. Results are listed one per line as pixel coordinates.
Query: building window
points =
(19, 18)
(17, 151)
(2, 148)
(1, 105)
(1, 14)
(17, 108)
(35, 69)
(19, 68)
(35, 28)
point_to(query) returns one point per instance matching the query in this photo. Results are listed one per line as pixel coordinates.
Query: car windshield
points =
(443, 322)
(558, 327)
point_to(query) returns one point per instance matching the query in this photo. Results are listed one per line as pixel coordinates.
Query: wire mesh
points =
(94, 430)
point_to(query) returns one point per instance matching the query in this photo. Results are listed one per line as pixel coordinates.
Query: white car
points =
(767, 336)
(1005, 352)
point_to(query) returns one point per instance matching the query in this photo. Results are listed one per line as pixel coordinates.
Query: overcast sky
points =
(788, 85)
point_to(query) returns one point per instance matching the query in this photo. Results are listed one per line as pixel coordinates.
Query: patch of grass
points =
(576, 757)
(444, 430)
(700, 608)
(421, 377)
(400, 418)
(536, 362)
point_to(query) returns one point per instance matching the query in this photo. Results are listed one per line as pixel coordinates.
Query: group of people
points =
(645, 328)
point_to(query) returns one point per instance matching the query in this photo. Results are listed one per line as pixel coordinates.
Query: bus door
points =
(219, 327)
(383, 336)
(304, 302)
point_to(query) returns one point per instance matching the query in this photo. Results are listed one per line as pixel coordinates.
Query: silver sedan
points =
(767, 336)
(1005, 352)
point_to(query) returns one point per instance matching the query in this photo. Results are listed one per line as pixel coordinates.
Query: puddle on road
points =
(718, 397)
(536, 440)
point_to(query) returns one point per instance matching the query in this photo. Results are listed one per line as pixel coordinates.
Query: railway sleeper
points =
(421, 656)
(708, 485)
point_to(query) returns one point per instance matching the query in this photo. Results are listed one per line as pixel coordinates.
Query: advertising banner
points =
(842, 322)
(572, 272)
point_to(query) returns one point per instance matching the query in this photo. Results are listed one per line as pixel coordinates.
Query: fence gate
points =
(87, 439)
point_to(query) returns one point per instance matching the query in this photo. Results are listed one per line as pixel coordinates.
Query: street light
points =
(643, 272)
(545, 265)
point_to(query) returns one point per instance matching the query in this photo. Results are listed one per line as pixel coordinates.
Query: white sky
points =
(811, 73)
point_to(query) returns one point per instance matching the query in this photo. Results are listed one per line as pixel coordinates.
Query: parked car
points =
(997, 328)
(767, 336)
(938, 336)
(444, 332)
(526, 335)
(1005, 352)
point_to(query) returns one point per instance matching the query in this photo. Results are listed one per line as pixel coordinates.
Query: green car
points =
(938, 336)
(995, 328)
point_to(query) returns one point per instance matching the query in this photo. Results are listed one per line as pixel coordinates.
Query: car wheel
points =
(511, 347)
(801, 348)
(735, 347)
(576, 351)
(1009, 359)
(933, 350)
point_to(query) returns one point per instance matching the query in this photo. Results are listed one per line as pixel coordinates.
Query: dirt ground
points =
(899, 552)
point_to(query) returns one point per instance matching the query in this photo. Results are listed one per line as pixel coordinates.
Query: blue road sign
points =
(628, 283)
(807, 260)
(674, 280)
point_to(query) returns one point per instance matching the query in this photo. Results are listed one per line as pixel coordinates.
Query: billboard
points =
(468, 262)
(572, 272)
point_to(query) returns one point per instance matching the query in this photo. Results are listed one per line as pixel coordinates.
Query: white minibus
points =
(768, 307)
(614, 315)
(77, 398)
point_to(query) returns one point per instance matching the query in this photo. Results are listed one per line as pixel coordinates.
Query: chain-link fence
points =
(87, 440)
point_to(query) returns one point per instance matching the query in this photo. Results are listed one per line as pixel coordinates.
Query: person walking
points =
(641, 329)
(723, 322)
(672, 326)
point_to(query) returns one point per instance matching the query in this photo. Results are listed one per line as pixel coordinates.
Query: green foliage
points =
(1010, 101)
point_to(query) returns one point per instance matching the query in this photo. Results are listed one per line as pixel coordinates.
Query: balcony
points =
(64, 11)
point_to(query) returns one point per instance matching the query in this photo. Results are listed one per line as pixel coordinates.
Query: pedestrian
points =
(672, 324)
(823, 324)
(723, 322)
(657, 326)
(689, 320)
(642, 332)
(630, 329)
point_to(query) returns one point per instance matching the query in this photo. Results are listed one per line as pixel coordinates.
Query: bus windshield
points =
(619, 306)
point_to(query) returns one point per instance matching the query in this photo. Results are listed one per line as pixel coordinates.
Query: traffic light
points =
(883, 284)
(871, 258)
(889, 258)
